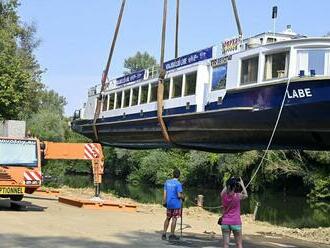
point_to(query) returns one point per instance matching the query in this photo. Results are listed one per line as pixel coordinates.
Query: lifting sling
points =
(106, 71)
(162, 72)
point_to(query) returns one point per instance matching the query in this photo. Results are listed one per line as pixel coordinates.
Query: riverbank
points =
(200, 221)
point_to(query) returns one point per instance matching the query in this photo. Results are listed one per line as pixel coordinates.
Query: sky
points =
(76, 34)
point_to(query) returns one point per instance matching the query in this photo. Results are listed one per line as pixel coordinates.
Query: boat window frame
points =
(211, 77)
(167, 80)
(124, 98)
(287, 64)
(141, 87)
(252, 56)
(111, 95)
(121, 99)
(131, 96)
(172, 82)
(326, 64)
(324, 60)
(184, 88)
(151, 85)
(105, 99)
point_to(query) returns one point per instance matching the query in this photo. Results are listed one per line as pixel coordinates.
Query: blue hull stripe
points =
(150, 114)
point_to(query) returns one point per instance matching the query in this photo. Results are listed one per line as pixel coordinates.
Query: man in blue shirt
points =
(172, 201)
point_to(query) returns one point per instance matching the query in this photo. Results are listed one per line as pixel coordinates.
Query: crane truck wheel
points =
(16, 197)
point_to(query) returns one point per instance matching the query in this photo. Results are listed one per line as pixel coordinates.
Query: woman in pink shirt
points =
(231, 220)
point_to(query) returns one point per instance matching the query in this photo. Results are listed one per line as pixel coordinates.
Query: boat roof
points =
(217, 51)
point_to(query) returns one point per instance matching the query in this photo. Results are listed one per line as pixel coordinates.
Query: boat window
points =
(271, 40)
(177, 86)
(166, 88)
(144, 94)
(126, 98)
(249, 72)
(276, 65)
(111, 101)
(105, 103)
(316, 60)
(219, 77)
(135, 96)
(153, 92)
(190, 87)
(118, 100)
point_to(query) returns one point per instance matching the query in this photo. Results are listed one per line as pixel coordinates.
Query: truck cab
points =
(20, 167)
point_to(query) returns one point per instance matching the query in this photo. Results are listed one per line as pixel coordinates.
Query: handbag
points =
(221, 217)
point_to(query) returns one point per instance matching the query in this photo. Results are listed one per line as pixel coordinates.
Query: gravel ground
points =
(43, 222)
(206, 221)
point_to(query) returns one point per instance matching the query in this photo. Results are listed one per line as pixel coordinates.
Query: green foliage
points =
(157, 165)
(19, 70)
(47, 125)
(321, 189)
(138, 62)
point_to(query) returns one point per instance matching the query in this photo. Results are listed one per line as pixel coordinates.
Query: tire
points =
(16, 197)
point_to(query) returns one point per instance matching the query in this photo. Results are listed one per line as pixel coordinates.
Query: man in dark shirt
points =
(173, 195)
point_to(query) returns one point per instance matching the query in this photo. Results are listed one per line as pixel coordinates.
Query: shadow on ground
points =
(132, 240)
(8, 205)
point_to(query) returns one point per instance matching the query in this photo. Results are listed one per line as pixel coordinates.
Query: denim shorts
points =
(231, 227)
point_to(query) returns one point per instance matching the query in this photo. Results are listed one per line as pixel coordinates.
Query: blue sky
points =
(76, 34)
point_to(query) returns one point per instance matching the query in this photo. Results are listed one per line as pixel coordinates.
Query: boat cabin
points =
(199, 81)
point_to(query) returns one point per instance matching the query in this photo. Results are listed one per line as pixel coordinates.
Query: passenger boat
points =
(223, 98)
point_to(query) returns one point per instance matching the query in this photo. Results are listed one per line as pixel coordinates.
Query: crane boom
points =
(78, 151)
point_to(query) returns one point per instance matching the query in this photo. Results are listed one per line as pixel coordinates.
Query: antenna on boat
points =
(177, 28)
(239, 28)
(274, 17)
(106, 71)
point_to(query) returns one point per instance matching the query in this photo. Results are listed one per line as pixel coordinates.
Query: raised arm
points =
(244, 193)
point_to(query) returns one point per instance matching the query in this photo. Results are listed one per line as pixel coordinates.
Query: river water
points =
(275, 208)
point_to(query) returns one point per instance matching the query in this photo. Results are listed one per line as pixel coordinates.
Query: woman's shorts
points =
(231, 227)
(176, 213)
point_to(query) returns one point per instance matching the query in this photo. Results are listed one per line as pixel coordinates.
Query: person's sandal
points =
(163, 236)
(173, 237)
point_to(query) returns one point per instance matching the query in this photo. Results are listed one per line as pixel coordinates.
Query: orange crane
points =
(78, 151)
(20, 163)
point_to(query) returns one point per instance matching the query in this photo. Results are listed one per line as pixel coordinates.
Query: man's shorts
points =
(174, 213)
(231, 227)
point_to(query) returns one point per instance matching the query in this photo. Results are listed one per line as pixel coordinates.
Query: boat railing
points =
(92, 91)
(153, 72)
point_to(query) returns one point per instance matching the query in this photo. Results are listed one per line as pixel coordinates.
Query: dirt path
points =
(47, 223)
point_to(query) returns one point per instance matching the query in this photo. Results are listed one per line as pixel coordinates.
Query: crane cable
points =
(106, 71)
(273, 133)
(268, 146)
(162, 72)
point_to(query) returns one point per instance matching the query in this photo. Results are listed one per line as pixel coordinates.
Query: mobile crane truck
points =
(21, 158)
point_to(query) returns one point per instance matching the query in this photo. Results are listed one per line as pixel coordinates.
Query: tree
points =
(51, 100)
(19, 71)
(138, 62)
(49, 123)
